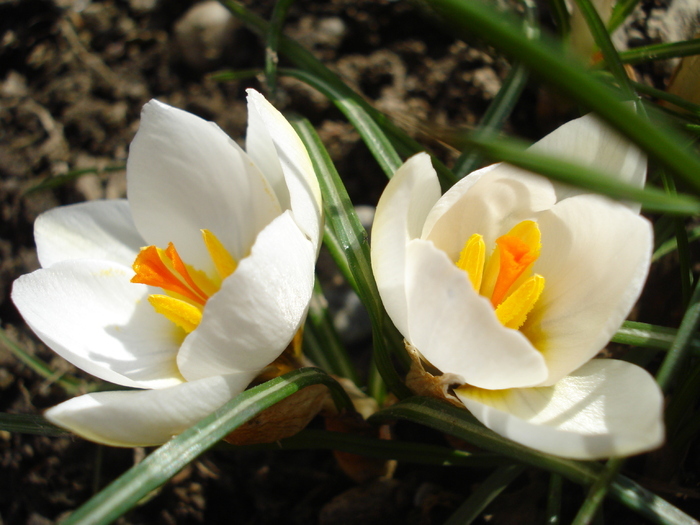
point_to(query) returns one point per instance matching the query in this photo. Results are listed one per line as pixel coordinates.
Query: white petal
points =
(400, 214)
(457, 330)
(595, 258)
(89, 230)
(249, 322)
(592, 143)
(269, 126)
(184, 174)
(145, 417)
(488, 202)
(90, 314)
(606, 408)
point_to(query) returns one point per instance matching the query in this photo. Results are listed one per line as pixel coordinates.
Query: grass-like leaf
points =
(71, 385)
(602, 40)
(458, 422)
(621, 11)
(651, 336)
(489, 490)
(663, 51)
(356, 112)
(680, 350)
(59, 180)
(546, 59)
(331, 354)
(352, 237)
(279, 14)
(305, 61)
(419, 453)
(30, 424)
(514, 152)
(166, 461)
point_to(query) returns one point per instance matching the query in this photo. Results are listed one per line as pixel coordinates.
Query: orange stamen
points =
(519, 248)
(151, 270)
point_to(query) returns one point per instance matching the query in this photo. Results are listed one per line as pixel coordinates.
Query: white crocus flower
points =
(509, 285)
(221, 287)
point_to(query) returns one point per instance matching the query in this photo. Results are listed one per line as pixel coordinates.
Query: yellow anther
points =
(187, 288)
(183, 314)
(471, 259)
(513, 312)
(503, 278)
(223, 261)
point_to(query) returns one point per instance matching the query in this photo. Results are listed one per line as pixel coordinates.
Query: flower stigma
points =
(505, 279)
(186, 288)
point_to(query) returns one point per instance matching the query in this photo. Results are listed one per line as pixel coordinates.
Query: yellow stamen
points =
(182, 313)
(519, 248)
(512, 312)
(224, 262)
(503, 278)
(187, 289)
(471, 259)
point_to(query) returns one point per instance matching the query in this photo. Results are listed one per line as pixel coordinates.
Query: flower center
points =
(186, 288)
(506, 278)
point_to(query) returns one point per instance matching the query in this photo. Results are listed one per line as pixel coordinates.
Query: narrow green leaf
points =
(346, 227)
(373, 136)
(597, 492)
(562, 18)
(680, 350)
(554, 500)
(680, 407)
(547, 60)
(30, 424)
(650, 336)
(460, 423)
(279, 14)
(671, 245)
(59, 180)
(489, 490)
(514, 152)
(661, 51)
(334, 356)
(498, 112)
(71, 385)
(504, 102)
(228, 75)
(124, 493)
(602, 40)
(621, 11)
(663, 95)
(681, 243)
(305, 61)
(314, 439)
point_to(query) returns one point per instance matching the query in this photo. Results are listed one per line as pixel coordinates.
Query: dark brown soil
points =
(74, 75)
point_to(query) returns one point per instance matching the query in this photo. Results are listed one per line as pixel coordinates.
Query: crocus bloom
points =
(188, 289)
(509, 285)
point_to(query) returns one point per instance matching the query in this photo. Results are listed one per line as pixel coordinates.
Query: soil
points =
(74, 75)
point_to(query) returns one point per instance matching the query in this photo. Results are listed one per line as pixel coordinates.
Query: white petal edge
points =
(89, 230)
(145, 417)
(606, 408)
(298, 171)
(592, 143)
(249, 322)
(401, 211)
(91, 315)
(488, 202)
(595, 258)
(457, 330)
(185, 174)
